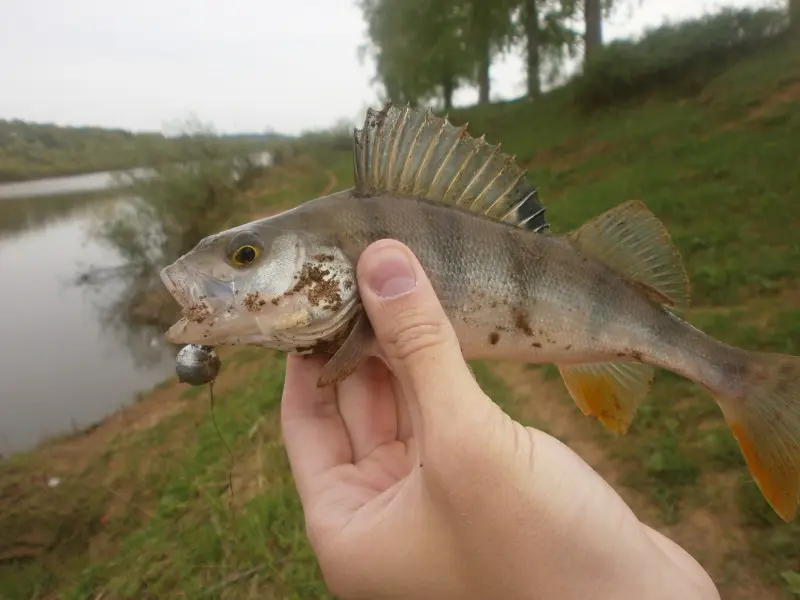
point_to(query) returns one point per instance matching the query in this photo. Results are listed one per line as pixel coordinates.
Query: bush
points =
(679, 58)
(182, 196)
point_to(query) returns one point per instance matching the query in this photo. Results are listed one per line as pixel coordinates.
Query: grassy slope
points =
(142, 510)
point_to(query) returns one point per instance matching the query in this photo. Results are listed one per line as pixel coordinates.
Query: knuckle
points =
(413, 332)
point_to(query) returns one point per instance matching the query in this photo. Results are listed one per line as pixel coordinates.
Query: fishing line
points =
(219, 433)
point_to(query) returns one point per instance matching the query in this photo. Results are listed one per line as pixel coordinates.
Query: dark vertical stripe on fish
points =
(519, 268)
(599, 292)
(374, 215)
(452, 240)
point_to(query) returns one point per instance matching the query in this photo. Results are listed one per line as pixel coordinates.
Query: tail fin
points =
(765, 421)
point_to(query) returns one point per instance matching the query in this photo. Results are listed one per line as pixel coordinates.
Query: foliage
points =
(425, 49)
(31, 150)
(560, 39)
(185, 195)
(679, 57)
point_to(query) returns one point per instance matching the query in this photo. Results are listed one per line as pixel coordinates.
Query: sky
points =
(237, 65)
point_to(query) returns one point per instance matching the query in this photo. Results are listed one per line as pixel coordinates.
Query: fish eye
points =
(244, 248)
(244, 255)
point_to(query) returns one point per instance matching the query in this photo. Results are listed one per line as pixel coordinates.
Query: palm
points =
(358, 444)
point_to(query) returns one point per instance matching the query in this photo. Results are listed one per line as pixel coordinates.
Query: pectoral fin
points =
(610, 391)
(355, 349)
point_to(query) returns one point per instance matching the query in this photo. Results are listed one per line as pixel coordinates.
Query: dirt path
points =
(333, 181)
(713, 538)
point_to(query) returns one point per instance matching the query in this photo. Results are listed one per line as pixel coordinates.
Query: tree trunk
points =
(480, 36)
(447, 91)
(794, 17)
(483, 76)
(593, 19)
(532, 34)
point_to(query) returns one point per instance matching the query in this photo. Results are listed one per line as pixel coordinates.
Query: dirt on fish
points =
(197, 312)
(253, 302)
(521, 321)
(319, 289)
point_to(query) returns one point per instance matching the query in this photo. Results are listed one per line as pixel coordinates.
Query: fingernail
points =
(391, 274)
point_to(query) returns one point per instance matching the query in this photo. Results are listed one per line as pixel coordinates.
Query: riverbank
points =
(142, 507)
(31, 151)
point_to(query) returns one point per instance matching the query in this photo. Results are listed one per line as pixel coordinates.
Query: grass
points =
(720, 169)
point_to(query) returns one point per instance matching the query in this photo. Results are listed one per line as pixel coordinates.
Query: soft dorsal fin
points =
(409, 151)
(630, 239)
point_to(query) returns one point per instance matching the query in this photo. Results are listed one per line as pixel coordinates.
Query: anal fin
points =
(355, 349)
(610, 391)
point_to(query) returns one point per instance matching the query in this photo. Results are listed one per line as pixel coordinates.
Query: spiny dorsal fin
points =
(610, 391)
(631, 240)
(412, 152)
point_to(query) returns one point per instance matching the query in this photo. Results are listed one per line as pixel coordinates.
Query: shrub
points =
(679, 58)
(182, 196)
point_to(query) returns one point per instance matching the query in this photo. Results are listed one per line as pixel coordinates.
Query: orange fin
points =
(765, 420)
(610, 391)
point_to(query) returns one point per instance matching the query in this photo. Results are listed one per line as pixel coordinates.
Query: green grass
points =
(720, 169)
(199, 538)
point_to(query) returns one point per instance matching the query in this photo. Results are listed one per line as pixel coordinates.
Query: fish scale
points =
(600, 302)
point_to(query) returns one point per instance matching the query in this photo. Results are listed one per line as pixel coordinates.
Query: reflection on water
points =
(63, 365)
(20, 215)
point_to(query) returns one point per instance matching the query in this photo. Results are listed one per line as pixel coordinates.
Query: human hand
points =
(414, 484)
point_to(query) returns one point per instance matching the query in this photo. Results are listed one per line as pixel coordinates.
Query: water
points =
(62, 367)
(55, 186)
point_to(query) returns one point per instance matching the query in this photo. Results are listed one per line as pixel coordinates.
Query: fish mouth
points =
(202, 298)
(190, 287)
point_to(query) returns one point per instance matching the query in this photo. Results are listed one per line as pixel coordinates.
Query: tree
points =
(533, 39)
(593, 21)
(544, 26)
(794, 16)
(426, 48)
(418, 47)
(489, 30)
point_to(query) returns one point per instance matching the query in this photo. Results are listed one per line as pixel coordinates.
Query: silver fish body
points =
(598, 302)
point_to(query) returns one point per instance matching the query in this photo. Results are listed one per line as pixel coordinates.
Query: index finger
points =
(313, 431)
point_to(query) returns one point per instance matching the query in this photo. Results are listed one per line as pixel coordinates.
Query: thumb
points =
(413, 331)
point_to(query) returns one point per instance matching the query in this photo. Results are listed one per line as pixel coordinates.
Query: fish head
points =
(261, 284)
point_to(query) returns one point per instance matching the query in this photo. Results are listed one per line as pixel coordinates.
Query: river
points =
(63, 367)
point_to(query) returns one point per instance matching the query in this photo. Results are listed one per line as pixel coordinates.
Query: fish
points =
(600, 302)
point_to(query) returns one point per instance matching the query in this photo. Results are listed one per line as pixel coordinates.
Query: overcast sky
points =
(239, 65)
